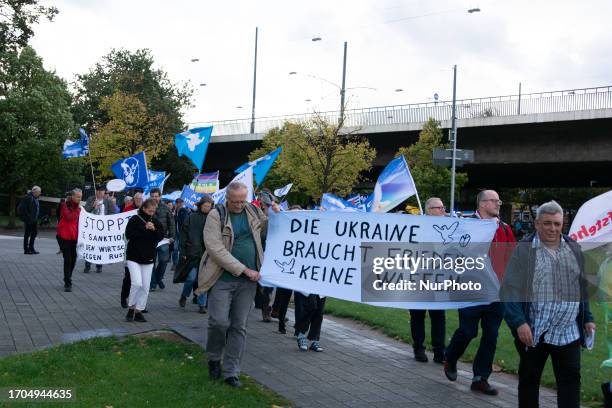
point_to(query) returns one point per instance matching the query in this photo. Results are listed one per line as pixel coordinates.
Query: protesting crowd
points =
(216, 251)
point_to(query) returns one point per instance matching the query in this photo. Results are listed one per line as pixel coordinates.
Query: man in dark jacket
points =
(166, 219)
(191, 250)
(98, 205)
(29, 209)
(544, 291)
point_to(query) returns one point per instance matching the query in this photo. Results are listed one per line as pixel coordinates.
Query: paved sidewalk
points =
(359, 368)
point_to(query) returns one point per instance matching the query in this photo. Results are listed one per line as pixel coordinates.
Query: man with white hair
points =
(29, 209)
(544, 294)
(229, 271)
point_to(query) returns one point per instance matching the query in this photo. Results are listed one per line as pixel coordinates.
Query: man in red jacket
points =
(489, 316)
(68, 233)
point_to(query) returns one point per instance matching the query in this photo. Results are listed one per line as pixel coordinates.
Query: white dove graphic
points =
(193, 140)
(446, 232)
(286, 267)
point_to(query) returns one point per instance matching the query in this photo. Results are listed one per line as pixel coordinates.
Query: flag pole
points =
(93, 178)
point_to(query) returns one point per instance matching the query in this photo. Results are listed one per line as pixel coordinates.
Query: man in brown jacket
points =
(229, 273)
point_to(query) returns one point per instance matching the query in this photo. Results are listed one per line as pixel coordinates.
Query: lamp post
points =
(343, 89)
(454, 141)
(254, 84)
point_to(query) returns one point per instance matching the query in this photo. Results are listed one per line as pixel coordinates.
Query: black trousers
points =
(310, 317)
(125, 286)
(31, 230)
(566, 366)
(262, 297)
(281, 303)
(70, 257)
(438, 329)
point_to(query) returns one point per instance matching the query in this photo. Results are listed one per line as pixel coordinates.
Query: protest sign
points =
(101, 237)
(325, 252)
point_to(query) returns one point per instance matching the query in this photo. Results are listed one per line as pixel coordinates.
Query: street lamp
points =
(254, 83)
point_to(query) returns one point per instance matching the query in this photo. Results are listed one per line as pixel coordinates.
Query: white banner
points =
(592, 225)
(322, 252)
(101, 237)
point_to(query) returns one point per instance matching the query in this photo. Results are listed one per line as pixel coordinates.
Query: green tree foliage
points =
(316, 157)
(35, 119)
(130, 129)
(16, 20)
(431, 180)
(133, 75)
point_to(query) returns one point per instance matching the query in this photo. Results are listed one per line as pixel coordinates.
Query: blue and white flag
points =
(283, 191)
(78, 148)
(246, 178)
(284, 206)
(260, 166)
(190, 197)
(156, 180)
(193, 143)
(132, 170)
(330, 202)
(394, 185)
(172, 196)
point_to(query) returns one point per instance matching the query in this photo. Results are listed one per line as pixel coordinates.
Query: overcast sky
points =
(392, 44)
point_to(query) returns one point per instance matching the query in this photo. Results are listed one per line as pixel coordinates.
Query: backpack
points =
(223, 213)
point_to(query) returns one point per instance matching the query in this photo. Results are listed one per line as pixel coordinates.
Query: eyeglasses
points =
(437, 208)
(495, 200)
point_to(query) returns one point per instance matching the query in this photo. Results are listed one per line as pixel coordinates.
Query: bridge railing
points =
(507, 105)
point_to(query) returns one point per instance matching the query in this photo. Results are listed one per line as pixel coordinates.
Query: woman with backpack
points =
(143, 233)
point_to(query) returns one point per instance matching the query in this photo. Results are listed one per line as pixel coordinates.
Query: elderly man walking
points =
(434, 207)
(233, 237)
(546, 309)
(98, 205)
(29, 209)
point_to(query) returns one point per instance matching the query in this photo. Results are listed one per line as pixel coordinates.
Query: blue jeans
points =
(163, 257)
(490, 318)
(188, 287)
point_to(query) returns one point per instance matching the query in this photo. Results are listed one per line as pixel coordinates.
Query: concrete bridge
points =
(546, 139)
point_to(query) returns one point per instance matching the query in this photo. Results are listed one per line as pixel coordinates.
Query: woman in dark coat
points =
(143, 233)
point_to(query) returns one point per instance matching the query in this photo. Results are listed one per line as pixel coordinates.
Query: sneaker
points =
(302, 342)
(439, 358)
(99, 270)
(450, 370)
(124, 303)
(315, 346)
(152, 289)
(281, 328)
(144, 311)
(138, 317)
(202, 310)
(484, 387)
(265, 315)
(67, 288)
(130, 315)
(233, 382)
(214, 370)
(27, 252)
(86, 270)
(34, 252)
(182, 301)
(420, 356)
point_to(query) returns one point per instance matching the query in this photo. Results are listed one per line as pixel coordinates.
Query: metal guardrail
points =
(508, 105)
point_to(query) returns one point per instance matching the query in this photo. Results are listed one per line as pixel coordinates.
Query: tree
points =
(316, 157)
(431, 180)
(129, 129)
(35, 119)
(16, 20)
(133, 74)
